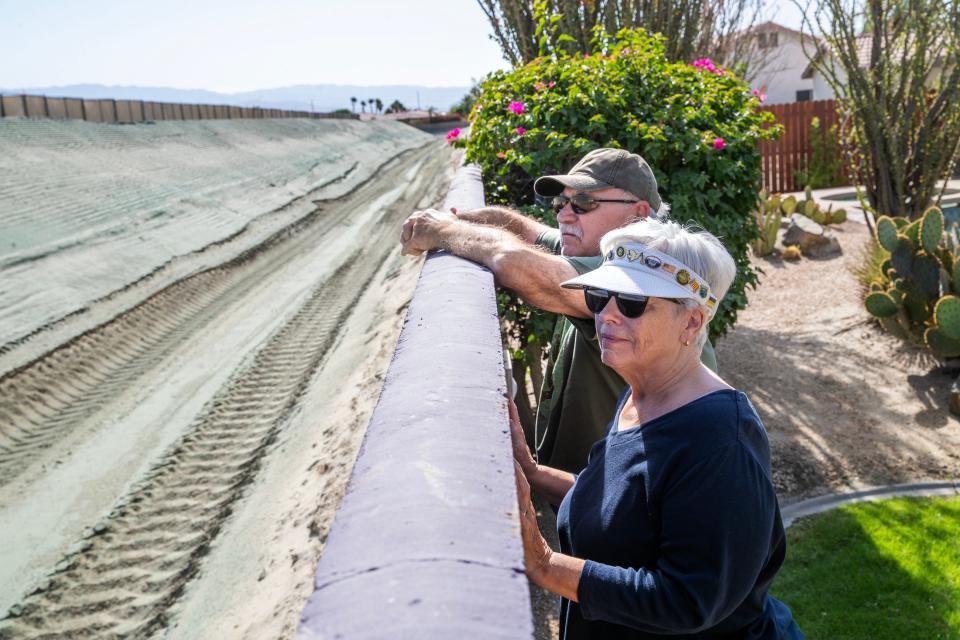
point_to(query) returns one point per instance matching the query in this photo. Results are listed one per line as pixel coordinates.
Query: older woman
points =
(673, 529)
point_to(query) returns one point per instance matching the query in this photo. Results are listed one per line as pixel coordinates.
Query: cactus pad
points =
(840, 215)
(917, 305)
(887, 233)
(940, 343)
(881, 304)
(931, 230)
(892, 326)
(947, 316)
(926, 274)
(946, 259)
(789, 206)
(912, 231)
(901, 258)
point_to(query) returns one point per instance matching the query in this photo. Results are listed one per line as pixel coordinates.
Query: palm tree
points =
(396, 107)
(379, 105)
(353, 104)
(363, 106)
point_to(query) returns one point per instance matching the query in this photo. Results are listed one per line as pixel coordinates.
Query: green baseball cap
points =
(602, 169)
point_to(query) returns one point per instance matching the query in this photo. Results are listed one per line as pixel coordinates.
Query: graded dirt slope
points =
(87, 210)
(172, 471)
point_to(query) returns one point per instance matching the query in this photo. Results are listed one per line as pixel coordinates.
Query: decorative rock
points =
(812, 239)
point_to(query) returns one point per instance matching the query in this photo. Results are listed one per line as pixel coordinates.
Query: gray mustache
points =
(572, 230)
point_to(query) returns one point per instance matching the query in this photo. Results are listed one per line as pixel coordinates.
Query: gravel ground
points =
(846, 405)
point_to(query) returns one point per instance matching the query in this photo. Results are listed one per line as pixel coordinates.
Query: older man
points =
(606, 189)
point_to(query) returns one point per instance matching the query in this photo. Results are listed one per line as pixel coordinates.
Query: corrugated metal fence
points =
(783, 158)
(128, 111)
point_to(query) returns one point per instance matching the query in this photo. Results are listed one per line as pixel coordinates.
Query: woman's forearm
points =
(560, 574)
(553, 484)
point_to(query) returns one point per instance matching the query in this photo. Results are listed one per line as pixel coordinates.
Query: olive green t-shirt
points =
(579, 393)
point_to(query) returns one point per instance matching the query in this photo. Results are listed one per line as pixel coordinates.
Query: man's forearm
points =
(478, 243)
(533, 274)
(516, 223)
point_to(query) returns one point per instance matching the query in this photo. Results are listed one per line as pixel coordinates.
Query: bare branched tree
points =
(691, 28)
(893, 67)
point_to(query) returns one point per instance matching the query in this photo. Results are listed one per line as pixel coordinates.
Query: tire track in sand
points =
(48, 400)
(137, 561)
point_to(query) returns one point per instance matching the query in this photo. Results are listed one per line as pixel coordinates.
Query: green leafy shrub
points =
(825, 167)
(916, 296)
(697, 125)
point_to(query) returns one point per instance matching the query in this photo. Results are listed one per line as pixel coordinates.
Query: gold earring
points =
(687, 343)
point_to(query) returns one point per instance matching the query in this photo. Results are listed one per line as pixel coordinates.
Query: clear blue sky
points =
(239, 45)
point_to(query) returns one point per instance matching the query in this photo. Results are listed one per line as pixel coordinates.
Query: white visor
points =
(634, 268)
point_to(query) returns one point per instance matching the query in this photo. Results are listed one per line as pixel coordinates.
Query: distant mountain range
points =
(304, 97)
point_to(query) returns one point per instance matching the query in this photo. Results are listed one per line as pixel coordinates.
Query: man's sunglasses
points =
(630, 306)
(582, 202)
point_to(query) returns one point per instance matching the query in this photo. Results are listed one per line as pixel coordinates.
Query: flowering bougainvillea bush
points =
(696, 124)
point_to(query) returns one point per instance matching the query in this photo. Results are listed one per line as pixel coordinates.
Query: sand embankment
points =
(88, 210)
(171, 470)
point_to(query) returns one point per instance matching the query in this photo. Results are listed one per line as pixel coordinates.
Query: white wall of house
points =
(822, 90)
(781, 67)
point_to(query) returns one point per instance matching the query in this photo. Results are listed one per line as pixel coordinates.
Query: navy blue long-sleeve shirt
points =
(680, 528)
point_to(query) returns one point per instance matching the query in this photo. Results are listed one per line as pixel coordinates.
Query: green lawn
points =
(886, 570)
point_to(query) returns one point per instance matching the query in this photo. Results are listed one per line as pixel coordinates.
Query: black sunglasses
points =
(582, 202)
(631, 306)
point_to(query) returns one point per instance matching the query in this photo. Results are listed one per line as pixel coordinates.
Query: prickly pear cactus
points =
(915, 298)
(947, 315)
(812, 210)
(769, 214)
(931, 230)
(887, 233)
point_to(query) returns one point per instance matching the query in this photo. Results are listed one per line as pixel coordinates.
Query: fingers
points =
(514, 413)
(521, 452)
(523, 487)
(406, 236)
(406, 231)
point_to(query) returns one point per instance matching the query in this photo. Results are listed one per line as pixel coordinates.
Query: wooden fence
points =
(783, 158)
(129, 111)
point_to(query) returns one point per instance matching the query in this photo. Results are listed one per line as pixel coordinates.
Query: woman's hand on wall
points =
(536, 551)
(521, 452)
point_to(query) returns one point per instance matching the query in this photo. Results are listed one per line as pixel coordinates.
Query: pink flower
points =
(453, 135)
(551, 84)
(539, 86)
(516, 107)
(763, 98)
(718, 143)
(501, 155)
(760, 96)
(707, 65)
(521, 131)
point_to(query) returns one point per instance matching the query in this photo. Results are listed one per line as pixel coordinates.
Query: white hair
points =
(698, 249)
(663, 212)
